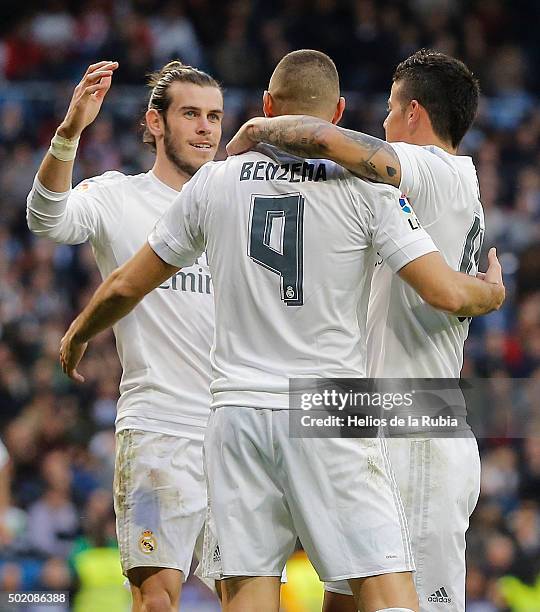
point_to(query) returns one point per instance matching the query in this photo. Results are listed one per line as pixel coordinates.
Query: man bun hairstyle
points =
(445, 87)
(159, 83)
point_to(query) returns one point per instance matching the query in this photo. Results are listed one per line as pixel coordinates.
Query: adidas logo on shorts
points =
(440, 596)
(216, 557)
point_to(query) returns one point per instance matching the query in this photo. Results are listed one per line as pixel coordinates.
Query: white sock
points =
(395, 610)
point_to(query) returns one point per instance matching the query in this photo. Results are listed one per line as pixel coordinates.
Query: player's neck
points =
(169, 174)
(429, 138)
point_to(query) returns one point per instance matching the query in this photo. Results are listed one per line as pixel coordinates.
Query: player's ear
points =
(154, 122)
(268, 104)
(413, 113)
(340, 108)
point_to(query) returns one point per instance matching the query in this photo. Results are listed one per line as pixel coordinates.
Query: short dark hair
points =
(159, 83)
(305, 81)
(445, 87)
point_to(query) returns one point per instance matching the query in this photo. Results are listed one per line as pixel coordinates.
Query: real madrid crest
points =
(147, 542)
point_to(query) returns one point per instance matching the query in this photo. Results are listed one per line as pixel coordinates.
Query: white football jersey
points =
(291, 246)
(407, 338)
(164, 344)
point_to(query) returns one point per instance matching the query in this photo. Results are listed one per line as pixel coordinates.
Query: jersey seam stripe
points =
(405, 537)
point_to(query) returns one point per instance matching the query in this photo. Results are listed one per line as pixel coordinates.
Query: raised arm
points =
(454, 292)
(363, 155)
(114, 299)
(47, 203)
(56, 169)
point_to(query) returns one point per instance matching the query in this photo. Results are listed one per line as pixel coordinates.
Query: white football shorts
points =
(266, 489)
(439, 481)
(159, 499)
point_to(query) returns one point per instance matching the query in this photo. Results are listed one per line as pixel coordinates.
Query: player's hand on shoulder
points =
(494, 276)
(244, 140)
(87, 99)
(71, 352)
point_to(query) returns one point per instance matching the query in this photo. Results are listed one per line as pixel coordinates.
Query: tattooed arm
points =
(363, 155)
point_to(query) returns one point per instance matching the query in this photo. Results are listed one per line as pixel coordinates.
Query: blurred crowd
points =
(60, 436)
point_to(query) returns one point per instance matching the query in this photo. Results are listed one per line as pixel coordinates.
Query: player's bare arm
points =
(55, 174)
(363, 155)
(114, 299)
(454, 292)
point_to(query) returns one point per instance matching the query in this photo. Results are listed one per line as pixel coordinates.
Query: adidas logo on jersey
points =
(440, 596)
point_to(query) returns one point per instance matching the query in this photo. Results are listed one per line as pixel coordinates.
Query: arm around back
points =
(363, 155)
(455, 292)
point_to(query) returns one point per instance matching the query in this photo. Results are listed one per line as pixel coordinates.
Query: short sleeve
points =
(427, 180)
(396, 232)
(179, 235)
